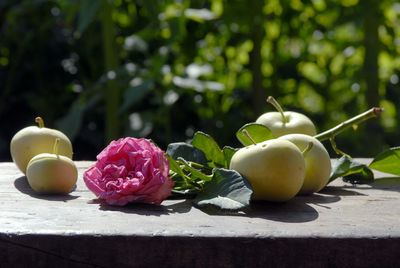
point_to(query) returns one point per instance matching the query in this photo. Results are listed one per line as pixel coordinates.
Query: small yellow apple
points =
(275, 169)
(52, 173)
(34, 140)
(281, 123)
(318, 162)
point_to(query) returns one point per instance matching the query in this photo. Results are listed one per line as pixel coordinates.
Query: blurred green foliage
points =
(100, 70)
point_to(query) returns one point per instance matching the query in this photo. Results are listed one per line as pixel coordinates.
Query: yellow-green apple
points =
(318, 162)
(51, 173)
(275, 169)
(34, 140)
(281, 123)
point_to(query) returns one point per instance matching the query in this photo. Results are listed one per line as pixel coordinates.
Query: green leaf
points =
(135, 94)
(210, 148)
(228, 153)
(187, 152)
(364, 176)
(257, 132)
(87, 13)
(387, 161)
(227, 190)
(179, 194)
(71, 123)
(152, 7)
(174, 166)
(351, 171)
(182, 181)
(194, 172)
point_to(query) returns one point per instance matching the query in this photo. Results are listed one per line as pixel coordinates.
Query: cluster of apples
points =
(293, 163)
(44, 155)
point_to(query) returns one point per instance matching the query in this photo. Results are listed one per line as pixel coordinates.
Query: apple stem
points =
(336, 149)
(39, 121)
(308, 148)
(247, 134)
(56, 146)
(278, 107)
(331, 133)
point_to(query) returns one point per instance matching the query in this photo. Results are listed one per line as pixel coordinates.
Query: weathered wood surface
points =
(343, 226)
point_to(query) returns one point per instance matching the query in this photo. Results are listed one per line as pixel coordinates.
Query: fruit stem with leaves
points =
(336, 149)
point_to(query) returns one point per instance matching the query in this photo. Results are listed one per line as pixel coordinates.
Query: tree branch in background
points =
(112, 92)
(256, 35)
(372, 18)
(372, 46)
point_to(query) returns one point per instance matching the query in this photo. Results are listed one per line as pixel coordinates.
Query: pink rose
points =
(130, 170)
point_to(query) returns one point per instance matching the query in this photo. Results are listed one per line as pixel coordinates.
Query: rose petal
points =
(91, 177)
(163, 192)
(115, 171)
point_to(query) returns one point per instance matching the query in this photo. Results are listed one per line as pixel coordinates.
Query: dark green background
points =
(100, 70)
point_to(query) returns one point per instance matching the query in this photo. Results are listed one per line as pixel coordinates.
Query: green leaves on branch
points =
(211, 149)
(351, 171)
(387, 161)
(200, 169)
(181, 156)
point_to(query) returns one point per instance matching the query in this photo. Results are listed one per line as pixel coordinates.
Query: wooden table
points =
(343, 226)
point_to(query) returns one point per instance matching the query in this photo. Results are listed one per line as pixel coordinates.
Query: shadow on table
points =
(296, 210)
(321, 200)
(22, 185)
(384, 183)
(341, 191)
(387, 184)
(147, 209)
(293, 211)
(299, 210)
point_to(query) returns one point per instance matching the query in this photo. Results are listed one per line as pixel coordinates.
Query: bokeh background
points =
(100, 70)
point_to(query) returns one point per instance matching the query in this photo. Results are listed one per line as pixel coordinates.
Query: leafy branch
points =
(200, 170)
(354, 121)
